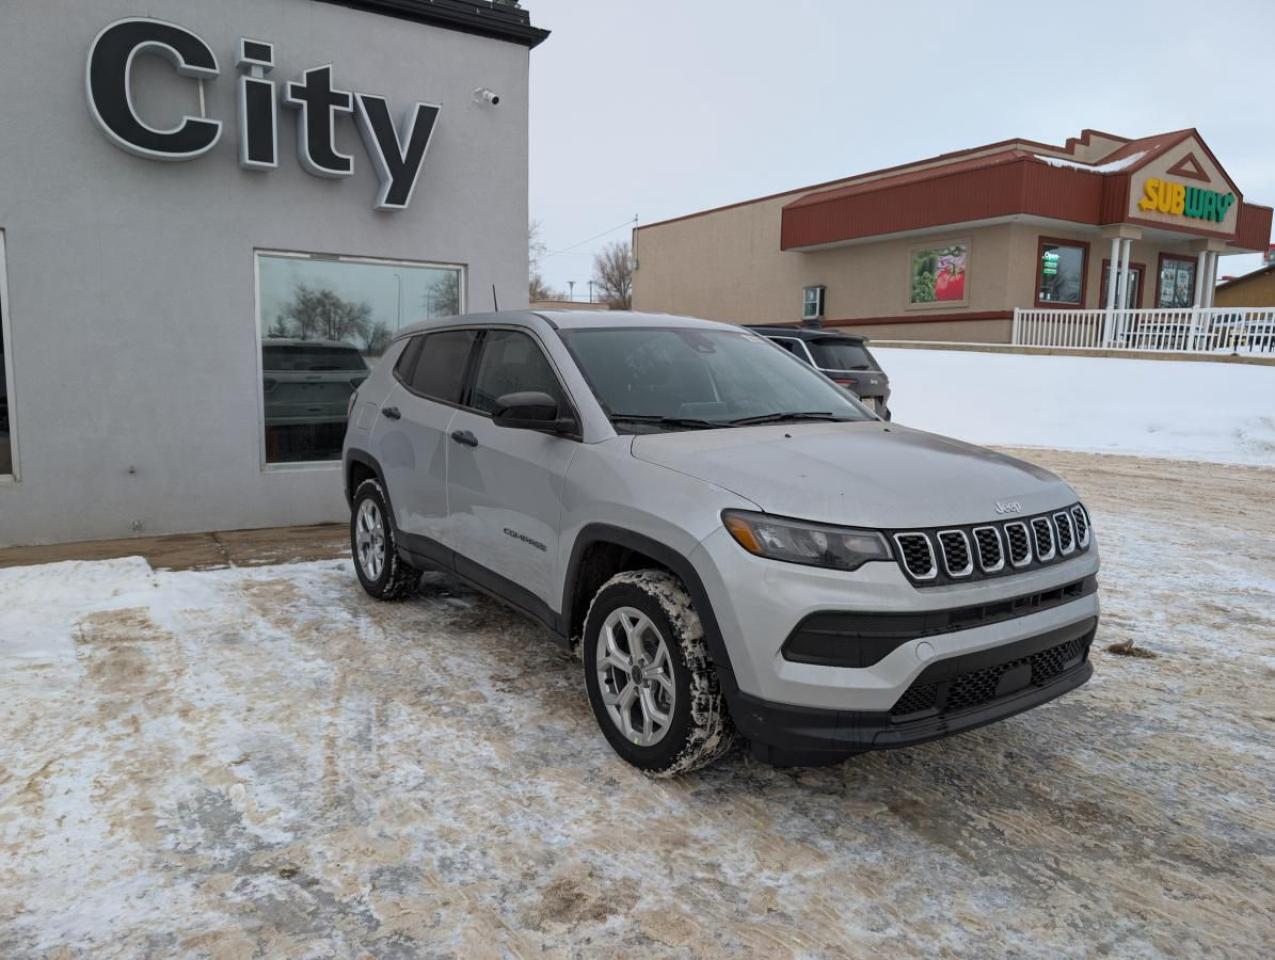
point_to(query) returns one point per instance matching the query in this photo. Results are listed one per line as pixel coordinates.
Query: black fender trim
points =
(353, 456)
(594, 533)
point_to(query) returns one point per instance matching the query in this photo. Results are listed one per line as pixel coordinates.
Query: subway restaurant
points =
(946, 248)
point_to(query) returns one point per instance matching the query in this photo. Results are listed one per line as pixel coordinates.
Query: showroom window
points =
(1177, 282)
(323, 322)
(1060, 274)
(7, 468)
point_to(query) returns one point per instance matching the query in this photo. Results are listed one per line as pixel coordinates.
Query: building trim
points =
(10, 367)
(479, 17)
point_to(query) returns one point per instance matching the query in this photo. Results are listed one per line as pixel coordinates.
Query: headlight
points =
(814, 544)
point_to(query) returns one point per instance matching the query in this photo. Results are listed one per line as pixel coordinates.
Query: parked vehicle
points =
(843, 358)
(734, 544)
(307, 385)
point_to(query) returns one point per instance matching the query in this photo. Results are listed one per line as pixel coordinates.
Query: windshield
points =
(839, 354)
(681, 378)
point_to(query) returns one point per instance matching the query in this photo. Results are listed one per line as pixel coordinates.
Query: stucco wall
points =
(133, 325)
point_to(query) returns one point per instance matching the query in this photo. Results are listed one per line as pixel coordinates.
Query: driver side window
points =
(512, 362)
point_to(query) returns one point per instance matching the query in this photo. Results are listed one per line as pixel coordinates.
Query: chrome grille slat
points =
(1080, 521)
(958, 561)
(916, 553)
(1066, 533)
(1020, 543)
(1043, 538)
(991, 552)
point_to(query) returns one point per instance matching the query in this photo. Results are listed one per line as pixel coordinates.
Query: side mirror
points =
(531, 410)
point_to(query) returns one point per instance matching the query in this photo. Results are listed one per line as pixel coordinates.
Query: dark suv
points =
(842, 357)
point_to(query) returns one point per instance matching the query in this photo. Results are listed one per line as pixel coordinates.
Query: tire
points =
(675, 676)
(372, 534)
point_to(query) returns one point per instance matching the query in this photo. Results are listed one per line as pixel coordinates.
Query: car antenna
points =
(495, 304)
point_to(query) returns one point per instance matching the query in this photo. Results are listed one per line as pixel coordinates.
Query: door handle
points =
(391, 412)
(465, 438)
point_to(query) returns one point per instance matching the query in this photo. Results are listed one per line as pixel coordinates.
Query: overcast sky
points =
(663, 107)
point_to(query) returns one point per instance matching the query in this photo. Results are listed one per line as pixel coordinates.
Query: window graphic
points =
(938, 274)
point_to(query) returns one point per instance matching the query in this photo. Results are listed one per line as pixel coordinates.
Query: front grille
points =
(987, 542)
(1020, 548)
(1066, 538)
(960, 553)
(1081, 521)
(917, 555)
(976, 688)
(1044, 534)
(956, 553)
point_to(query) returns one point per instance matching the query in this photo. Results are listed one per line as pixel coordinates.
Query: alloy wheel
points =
(369, 538)
(635, 676)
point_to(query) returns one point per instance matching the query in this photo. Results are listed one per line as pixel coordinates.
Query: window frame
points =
(1041, 243)
(820, 301)
(262, 253)
(1159, 276)
(6, 332)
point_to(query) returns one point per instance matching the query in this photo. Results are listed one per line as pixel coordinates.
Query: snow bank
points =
(1113, 167)
(1219, 412)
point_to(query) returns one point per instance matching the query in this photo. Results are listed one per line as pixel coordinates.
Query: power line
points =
(626, 223)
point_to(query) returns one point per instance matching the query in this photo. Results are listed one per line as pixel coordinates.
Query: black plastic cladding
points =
(1044, 533)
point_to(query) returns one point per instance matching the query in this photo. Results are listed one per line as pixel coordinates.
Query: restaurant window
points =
(812, 304)
(1177, 282)
(1061, 273)
(6, 450)
(323, 322)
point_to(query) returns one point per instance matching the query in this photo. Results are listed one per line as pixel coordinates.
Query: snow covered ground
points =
(1187, 410)
(266, 763)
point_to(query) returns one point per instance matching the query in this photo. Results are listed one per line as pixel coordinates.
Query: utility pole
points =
(571, 284)
(590, 291)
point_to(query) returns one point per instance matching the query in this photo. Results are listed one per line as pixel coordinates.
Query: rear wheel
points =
(651, 682)
(382, 572)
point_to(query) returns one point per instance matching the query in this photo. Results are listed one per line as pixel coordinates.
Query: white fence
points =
(1188, 330)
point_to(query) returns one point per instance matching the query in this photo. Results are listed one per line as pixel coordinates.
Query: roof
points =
(484, 18)
(805, 333)
(1251, 275)
(564, 320)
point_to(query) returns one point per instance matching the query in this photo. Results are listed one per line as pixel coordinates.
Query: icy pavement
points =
(266, 763)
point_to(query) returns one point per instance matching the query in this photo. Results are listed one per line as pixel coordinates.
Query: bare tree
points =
(537, 289)
(322, 314)
(442, 297)
(613, 275)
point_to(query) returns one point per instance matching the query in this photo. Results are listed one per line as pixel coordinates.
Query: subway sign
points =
(396, 152)
(1177, 199)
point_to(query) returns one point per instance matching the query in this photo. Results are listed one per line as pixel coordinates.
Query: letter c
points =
(109, 80)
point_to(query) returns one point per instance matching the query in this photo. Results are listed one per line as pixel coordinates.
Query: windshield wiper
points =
(690, 423)
(780, 417)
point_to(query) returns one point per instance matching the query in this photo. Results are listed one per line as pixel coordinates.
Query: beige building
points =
(946, 248)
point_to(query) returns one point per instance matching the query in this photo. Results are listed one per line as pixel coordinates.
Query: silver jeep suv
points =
(735, 545)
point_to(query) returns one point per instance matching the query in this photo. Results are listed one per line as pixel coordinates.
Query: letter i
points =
(258, 111)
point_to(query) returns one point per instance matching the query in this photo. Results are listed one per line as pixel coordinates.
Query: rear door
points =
(410, 437)
(505, 486)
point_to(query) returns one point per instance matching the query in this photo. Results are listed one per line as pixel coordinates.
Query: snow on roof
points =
(1115, 166)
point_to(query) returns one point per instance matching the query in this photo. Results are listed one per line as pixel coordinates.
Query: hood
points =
(868, 474)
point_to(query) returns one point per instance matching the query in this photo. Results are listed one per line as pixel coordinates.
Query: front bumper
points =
(951, 695)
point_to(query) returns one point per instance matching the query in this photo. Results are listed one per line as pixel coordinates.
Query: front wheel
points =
(382, 572)
(651, 683)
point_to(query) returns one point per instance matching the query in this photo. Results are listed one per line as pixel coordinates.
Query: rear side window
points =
(440, 364)
(512, 362)
(406, 364)
(792, 346)
(841, 355)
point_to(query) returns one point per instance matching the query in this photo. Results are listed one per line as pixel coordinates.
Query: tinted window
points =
(841, 355)
(714, 375)
(309, 356)
(1062, 273)
(792, 346)
(440, 369)
(512, 362)
(406, 364)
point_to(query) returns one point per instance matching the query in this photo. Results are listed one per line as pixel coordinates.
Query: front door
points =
(505, 486)
(410, 435)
